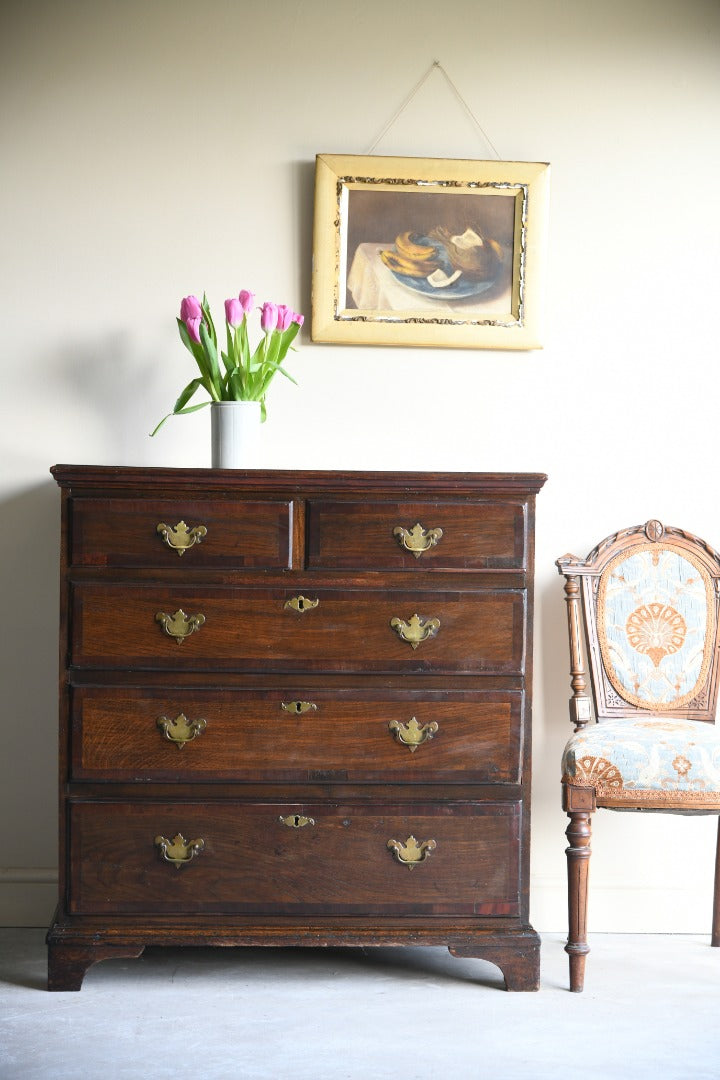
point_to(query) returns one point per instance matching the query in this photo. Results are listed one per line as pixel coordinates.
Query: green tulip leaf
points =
(192, 408)
(209, 319)
(230, 358)
(236, 385)
(185, 337)
(211, 354)
(187, 394)
(289, 335)
(179, 412)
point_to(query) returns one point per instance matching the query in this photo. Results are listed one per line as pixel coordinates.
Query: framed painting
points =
(429, 252)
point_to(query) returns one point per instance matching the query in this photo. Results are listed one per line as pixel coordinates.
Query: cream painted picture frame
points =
(429, 252)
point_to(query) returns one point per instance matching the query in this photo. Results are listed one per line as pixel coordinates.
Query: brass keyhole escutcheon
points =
(298, 707)
(296, 821)
(300, 604)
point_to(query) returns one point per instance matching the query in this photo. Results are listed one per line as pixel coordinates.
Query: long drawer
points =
(128, 733)
(302, 628)
(416, 535)
(295, 858)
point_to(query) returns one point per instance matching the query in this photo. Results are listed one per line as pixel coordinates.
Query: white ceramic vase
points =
(235, 434)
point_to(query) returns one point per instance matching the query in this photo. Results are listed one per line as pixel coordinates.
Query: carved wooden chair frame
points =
(582, 581)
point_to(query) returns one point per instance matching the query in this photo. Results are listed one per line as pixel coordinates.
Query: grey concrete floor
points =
(650, 1010)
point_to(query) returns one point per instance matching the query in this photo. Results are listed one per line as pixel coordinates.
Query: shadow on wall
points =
(549, 738)
(551, 638)
(551, 730)
(304, 188)
(28, 676)
(117, 386)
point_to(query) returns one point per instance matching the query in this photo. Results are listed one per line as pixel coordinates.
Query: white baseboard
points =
(28, 895)
(614, 909)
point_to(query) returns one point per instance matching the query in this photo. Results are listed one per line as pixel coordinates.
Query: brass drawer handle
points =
(178, 851)
(179, 626)
(296, 821)
(181, 730)
(300, 604)
(180, 537)
(411, 853)
(417, 540)
(298, 707)
(412, 734)
(416, 629)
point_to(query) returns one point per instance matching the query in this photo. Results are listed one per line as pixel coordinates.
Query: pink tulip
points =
(247, 299)
(298, 318)
(193, 329)
(233, 312)
(284, 316)
(190, 308)
(268, 317)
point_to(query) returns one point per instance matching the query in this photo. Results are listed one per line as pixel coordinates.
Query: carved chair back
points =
(645, 606)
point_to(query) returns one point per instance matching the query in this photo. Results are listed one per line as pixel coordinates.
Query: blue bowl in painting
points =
(462, 288)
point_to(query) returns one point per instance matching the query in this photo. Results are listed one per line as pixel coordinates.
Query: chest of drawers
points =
(294, 710)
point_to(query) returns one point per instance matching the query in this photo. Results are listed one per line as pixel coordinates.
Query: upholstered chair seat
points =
(651, 762)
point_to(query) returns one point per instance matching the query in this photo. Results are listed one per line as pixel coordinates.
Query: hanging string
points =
(435, 64)
(465, 106)
(403, 107)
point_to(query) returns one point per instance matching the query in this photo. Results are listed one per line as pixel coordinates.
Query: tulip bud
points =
(190, 308)
(233, 312)
(247, 299)
(284, 317)
(298, 318)
(193, 329)
(268, 317)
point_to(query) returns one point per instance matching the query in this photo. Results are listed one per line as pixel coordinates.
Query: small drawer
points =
(194, 628)
(300, 735)
(295, 858)
(180, 533)
(416, 535)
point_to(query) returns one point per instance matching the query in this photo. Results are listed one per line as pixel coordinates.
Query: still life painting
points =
(412, 251)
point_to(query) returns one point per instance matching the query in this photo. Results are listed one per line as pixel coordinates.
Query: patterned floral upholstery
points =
(647, 761)
(655, 620)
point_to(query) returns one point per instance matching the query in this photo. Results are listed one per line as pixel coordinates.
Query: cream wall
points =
(151, 149)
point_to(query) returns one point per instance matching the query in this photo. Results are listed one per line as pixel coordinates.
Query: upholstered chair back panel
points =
(656, 626)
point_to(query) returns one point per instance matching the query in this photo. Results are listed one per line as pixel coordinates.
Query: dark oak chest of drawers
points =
(295, 710)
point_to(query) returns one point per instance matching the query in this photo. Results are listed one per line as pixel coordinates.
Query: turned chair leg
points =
(715, 939)
(578, 857)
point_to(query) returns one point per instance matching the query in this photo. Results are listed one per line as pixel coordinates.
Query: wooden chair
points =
(644, 609)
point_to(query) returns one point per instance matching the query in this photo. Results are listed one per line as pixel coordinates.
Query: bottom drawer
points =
(289, 858)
